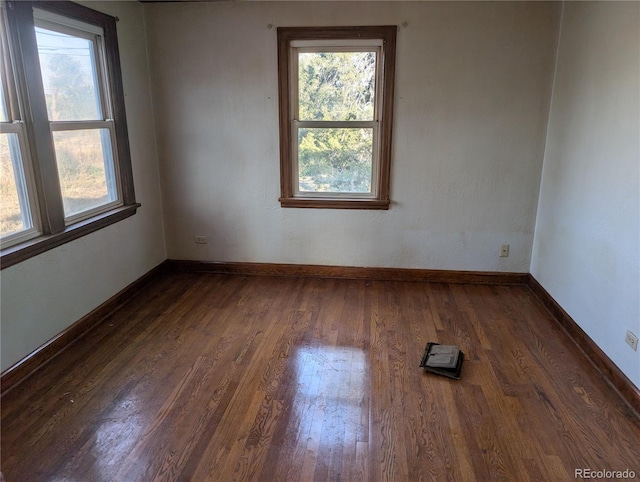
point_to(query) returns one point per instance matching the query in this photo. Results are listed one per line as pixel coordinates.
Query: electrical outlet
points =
(504, 251)
(201, 240)
(631, 340)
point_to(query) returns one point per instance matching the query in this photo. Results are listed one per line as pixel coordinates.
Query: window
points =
(19, 218)
(64, 151)
(336, 107)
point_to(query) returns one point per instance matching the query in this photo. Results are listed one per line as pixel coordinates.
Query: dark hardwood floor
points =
(209, 377)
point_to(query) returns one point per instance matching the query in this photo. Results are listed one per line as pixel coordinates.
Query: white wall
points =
(45, 294)
(472, 96)
(587, 245)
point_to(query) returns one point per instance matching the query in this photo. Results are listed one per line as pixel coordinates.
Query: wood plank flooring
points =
(206, 377)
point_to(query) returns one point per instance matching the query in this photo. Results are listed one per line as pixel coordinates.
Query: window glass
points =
(336, 86)
(84, 158)
(335, 159)
(14, 202)
(69, 76)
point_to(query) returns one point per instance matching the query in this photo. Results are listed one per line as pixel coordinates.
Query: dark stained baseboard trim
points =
(15, 374)
(348, 272)
(11, 377)
(602, 363)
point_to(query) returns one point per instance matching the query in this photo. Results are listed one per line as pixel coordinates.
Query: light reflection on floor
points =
(120, 428)
(331, 405)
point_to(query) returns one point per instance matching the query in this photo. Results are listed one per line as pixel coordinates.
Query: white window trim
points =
(329, 45)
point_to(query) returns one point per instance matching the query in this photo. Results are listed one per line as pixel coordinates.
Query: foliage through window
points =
(336, 99)
(64, 149)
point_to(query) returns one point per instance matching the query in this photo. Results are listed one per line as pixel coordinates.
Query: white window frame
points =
(346, 45)
(23, 176)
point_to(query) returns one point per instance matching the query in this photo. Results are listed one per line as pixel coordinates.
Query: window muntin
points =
(336, 100)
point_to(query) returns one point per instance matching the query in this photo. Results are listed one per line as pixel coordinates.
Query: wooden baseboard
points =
(348, 272)
(12, 376)
(615, 377)
(611, 373)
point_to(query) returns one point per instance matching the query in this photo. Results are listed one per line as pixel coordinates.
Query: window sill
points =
(324, 203)
(23, 251)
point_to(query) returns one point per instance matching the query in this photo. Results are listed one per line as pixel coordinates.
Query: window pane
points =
(69, 76)
(85, 167)
(335, 159)
(15, 214)
(336, 86)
